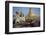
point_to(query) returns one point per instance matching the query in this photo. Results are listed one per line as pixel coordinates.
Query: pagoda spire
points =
(30, 12)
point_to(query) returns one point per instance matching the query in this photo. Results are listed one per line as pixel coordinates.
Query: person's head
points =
(17, 12)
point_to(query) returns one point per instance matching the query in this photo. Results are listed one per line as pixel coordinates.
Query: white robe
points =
(18, 19)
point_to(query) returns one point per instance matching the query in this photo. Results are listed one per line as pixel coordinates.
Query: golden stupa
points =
(30, 13)
(31, 16)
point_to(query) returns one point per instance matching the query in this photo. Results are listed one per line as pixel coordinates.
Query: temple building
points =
(31, 16)
(30, 13)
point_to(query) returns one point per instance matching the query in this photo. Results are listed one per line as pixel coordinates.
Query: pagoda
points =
(30, 14)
